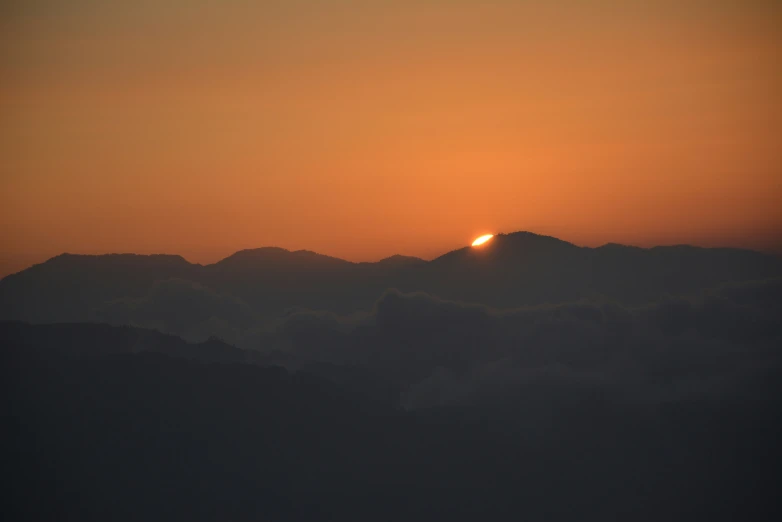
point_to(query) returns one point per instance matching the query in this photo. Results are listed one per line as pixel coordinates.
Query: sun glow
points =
(481, 240)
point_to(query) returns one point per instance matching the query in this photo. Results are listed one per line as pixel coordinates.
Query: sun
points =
(481, 240)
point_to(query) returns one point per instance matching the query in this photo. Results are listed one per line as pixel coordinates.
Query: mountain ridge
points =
(268, 251)
(254, 286)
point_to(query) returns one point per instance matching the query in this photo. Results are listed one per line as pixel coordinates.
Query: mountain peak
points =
(117, 256)
(258, 252)
(400, 260)
(116, 260)
(524, 237)
(277, 255)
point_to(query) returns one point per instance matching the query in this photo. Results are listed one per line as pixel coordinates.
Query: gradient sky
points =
(361, 128)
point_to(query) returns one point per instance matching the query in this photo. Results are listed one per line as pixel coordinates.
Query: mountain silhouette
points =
(252, 286)
(523, 268)
(67, 287)
(90, 340)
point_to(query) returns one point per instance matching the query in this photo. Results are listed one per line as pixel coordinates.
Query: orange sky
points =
(364, 128)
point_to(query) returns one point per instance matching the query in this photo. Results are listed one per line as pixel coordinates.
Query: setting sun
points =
(481, 240)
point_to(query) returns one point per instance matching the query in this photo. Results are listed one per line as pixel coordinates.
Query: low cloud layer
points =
(184, 308)
(721, 344)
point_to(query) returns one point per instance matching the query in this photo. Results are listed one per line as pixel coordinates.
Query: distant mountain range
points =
(651, 391)
(251, 286)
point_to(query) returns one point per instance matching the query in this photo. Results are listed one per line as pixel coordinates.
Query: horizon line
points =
(774, 251)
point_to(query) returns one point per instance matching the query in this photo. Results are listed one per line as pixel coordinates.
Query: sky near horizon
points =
(362, 129)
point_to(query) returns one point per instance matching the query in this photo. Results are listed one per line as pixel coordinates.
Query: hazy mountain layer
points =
(563, 413)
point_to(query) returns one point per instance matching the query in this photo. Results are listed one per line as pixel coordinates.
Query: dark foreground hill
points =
(100, 425)
(237, 296)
